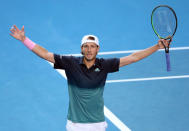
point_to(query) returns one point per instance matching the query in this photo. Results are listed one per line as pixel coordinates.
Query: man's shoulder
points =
(67, 58)
(106, 60)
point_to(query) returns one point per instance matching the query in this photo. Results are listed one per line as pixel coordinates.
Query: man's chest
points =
(87, 78)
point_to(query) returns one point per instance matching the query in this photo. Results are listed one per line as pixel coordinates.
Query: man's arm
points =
(37, 49)
(43, 53)
(141, 54)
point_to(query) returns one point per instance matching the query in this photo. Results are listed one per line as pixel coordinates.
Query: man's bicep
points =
(50, 57)
(126, 60)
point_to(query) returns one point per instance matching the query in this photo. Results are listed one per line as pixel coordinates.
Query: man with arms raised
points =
(86, 77)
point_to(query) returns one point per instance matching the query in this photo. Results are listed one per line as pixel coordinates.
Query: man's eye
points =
(93, 46)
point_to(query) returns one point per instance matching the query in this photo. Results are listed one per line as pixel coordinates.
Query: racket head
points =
(164, 21)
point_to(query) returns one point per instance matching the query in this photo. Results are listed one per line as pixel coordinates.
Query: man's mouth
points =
(89, 54)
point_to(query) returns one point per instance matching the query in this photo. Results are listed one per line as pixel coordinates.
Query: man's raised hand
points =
(18, 34)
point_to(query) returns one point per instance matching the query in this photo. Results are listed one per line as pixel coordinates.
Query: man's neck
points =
(89, 63)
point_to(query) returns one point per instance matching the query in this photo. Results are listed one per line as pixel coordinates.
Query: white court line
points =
(116, 121)
(148, 79)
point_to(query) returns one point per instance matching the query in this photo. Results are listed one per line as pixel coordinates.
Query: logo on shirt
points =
(97, 70)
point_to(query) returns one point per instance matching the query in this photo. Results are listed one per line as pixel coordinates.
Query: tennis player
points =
(86, 77)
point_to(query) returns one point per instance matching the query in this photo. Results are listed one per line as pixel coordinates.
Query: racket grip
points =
(168, 62)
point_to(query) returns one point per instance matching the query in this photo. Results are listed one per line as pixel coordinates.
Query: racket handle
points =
(168, 62)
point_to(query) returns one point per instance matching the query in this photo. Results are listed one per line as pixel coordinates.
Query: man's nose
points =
(89, 49)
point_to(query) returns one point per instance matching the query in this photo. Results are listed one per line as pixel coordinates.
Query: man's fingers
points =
(166, 43)
(170, 41)
(163, 43)
(12, 30)
(11, 34)
(16, 28)
(22, 28)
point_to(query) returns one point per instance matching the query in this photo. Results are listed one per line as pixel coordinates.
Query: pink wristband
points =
(28, 43)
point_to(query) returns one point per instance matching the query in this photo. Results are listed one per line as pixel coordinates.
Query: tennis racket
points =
(164, 24)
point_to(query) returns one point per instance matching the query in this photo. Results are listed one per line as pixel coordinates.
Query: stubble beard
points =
(89, 59)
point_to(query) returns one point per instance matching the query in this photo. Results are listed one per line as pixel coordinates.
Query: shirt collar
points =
(97, 62)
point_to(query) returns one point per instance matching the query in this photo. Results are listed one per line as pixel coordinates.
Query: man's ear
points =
(98, 48)
(82, 50)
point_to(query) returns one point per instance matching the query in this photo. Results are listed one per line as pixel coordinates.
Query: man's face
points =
(89, 50)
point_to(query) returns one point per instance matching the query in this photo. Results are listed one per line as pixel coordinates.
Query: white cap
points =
(86, 39)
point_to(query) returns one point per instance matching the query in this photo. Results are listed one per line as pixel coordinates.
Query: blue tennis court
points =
(140, 97)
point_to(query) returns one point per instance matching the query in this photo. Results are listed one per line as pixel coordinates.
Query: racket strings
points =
(164, 22)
